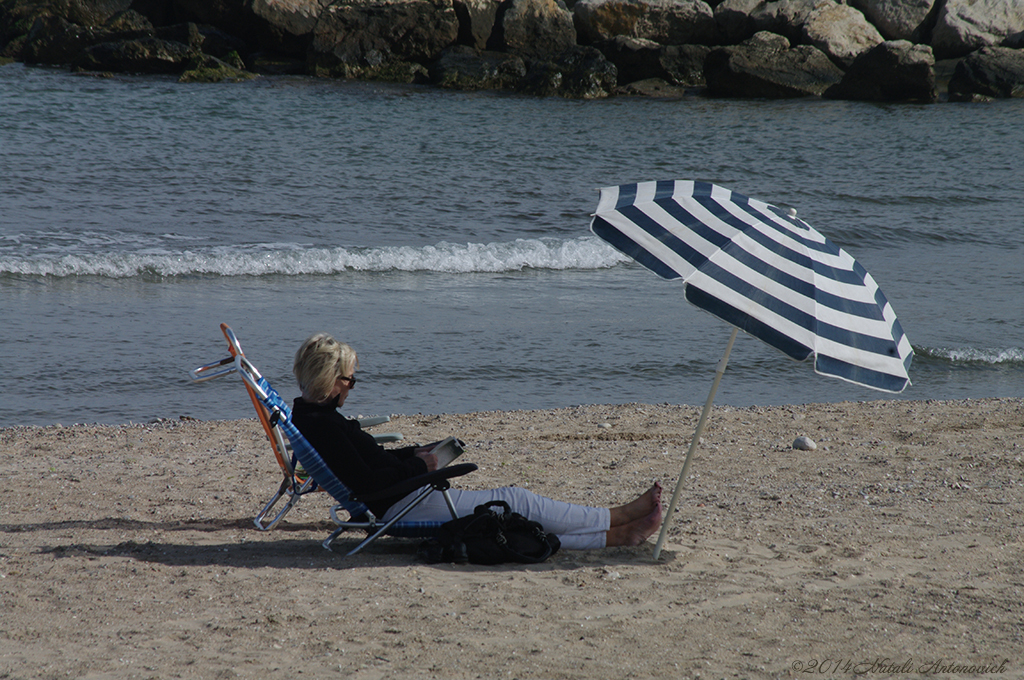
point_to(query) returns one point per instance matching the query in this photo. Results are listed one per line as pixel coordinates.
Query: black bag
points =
(487, 537)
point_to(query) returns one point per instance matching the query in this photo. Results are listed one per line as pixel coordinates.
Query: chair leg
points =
(261, 522)
(448, 501)
(384, 527)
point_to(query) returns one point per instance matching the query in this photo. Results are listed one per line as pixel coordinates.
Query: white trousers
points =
(578, 527)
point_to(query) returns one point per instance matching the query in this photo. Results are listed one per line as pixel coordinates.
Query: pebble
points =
(804, 443)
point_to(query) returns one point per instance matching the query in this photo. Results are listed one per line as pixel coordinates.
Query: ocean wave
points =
(585, 252)
(970, 356)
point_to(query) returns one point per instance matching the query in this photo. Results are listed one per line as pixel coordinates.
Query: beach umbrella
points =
(764, 271)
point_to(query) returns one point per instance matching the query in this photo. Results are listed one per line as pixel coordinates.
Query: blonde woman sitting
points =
(325, 370)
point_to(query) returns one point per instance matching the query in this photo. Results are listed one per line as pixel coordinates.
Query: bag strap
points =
(503, 542)
(486, 508)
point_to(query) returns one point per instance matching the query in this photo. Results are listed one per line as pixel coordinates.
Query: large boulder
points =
(636, 60)
(840, 31)
(476, 21)
(579, 73)
(734, 21)
(55, 40)
(533, 29)
(381, 38)
(991, 72)
(462, 67)
(669, 22)
(89, 12)
(967, 25)
(785, 17)
(285, 26)
(897, 19)
(142, 55)
(765, 66)
(895, 70)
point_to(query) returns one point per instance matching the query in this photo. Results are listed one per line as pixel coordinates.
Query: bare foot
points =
(635, 532)
(638, 508)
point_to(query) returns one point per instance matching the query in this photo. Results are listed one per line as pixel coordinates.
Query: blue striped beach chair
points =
(306, 472)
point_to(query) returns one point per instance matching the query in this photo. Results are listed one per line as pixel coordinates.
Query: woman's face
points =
(342, 386)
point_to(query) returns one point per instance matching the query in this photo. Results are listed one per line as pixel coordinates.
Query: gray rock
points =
(636, 59)
(207, 69)
(476, 21)
(89, 12)
(967, 25)
(785, 17)
(130, 24)
(991, 72)
(654, 87)
(142, 55)
(285, 27)
(187, 34)
(384, 39)
(464, 68)
(840, 31)
(766, 67)
(804, 443)
(734, 22)
(55, 40)
(897, 19)
(580, 73)
(668, 22)
(895, 70)
(684, 64)
(533, 28)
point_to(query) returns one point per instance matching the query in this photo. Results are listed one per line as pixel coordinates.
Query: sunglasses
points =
(350, 379)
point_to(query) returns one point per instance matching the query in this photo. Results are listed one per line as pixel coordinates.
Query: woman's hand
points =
(429, 458)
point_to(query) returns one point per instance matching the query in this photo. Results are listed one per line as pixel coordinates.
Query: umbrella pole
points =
(693, 443)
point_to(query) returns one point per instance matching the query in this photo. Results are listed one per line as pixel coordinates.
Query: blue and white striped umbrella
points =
(766, 273)
(763, 271)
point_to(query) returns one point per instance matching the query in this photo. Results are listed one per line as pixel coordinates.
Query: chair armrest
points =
(409, 485)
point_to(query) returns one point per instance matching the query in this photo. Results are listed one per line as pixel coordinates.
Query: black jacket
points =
(359, 462)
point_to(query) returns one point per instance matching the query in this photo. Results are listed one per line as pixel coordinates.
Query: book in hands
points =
(446, 451)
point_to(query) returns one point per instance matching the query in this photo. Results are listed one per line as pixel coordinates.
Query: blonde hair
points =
(319, 363)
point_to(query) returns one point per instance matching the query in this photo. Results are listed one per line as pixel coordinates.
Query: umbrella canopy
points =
(766, 273)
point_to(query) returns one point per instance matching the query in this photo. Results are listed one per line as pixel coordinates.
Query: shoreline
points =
(128, 551)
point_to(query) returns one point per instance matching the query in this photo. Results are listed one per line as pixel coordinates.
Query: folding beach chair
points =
(305, 471)
(296, 482)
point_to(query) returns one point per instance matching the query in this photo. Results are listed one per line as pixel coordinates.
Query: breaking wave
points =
(284, 259)
(969, 356)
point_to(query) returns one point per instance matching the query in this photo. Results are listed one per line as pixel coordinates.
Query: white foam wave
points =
(975, 356)
(292, 260)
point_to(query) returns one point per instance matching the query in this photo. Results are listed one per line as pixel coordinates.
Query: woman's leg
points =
(578, 527)
(557, 517)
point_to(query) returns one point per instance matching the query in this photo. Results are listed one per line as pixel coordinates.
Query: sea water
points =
(445, 236)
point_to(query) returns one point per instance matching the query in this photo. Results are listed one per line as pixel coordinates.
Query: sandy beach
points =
(892, 550)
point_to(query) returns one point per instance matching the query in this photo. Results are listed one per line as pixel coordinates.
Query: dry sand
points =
(893, 550)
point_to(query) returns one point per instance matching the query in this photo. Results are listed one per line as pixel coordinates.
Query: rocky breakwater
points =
(876, 50)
